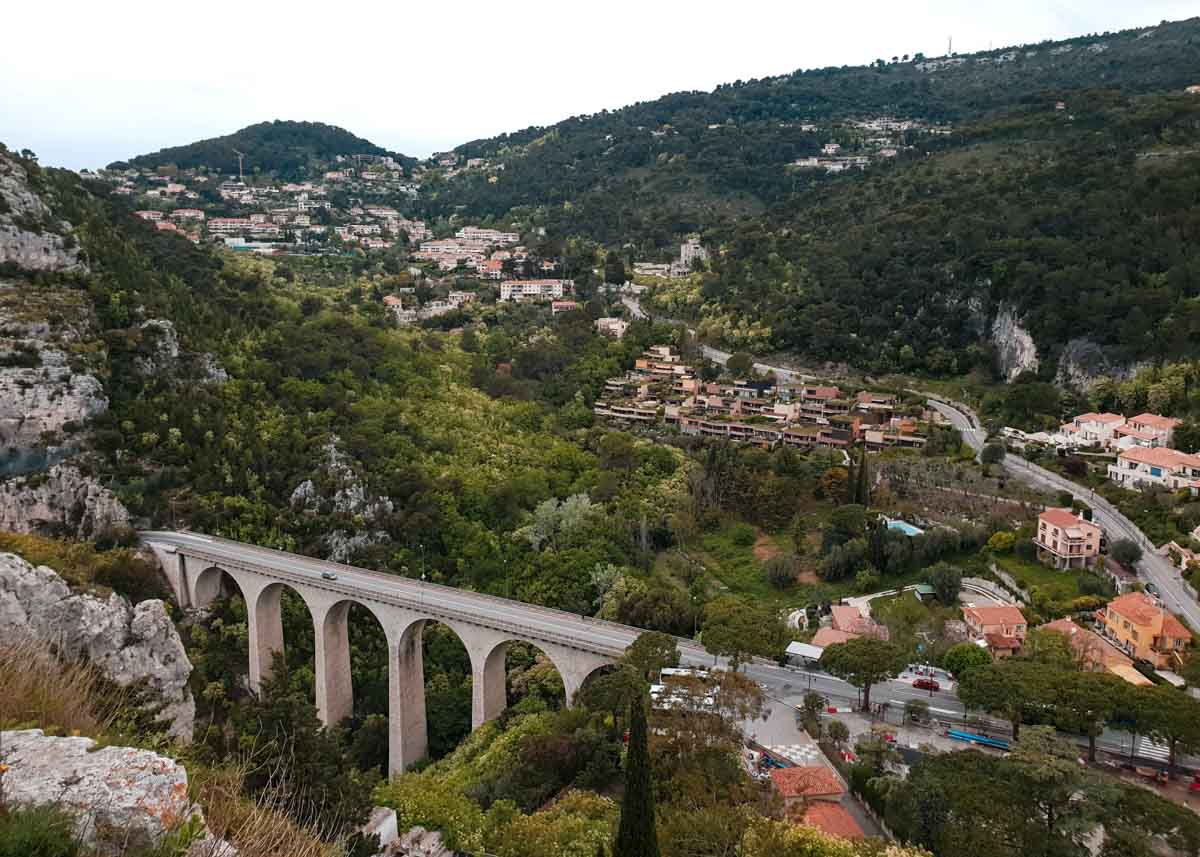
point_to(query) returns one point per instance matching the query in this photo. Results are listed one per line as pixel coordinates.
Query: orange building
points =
(1145, 631)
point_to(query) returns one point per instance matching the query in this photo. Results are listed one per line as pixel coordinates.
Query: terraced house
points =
(1141, 467)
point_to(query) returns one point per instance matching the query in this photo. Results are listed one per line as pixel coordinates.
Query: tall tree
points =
(1085, 702)
(864, 662)
(1009, 688)
(636, 836)
(1173, 717)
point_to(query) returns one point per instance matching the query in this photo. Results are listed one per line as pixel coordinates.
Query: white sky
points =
(86, 82)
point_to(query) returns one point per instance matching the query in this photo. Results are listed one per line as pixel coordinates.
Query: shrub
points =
(1026, 549)
(780, 571)
(1126, 551)
(42, 831)
(1001, 542)
(743, 535)
(53, 695)
(993, 453)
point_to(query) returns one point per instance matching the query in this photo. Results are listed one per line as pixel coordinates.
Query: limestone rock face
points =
(50, 354)
(1083, 362)
(164, 346)
(1015, 349)
(30, 236)
(122, 798)
(337, 490)
(129, 644)
(61, 500)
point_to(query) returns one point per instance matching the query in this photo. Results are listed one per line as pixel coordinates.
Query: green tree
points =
(946, 581)
(737, 630)
(636, 836)
(1085, 702)
(1126, 551)
(1173, 718)
(780, 571)
(963, 656)
(864, 662)
(1009, 688)
(651, 652)
(993, 453)
(740, 364)
(838, 732)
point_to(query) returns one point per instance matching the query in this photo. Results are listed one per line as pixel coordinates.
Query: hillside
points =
(1075, 228)
(284, 148)
(654, 169)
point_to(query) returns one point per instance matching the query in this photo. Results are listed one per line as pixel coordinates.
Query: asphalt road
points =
(1154, 568)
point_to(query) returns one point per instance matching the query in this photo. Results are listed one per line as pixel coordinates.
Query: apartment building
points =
(611, 326)
(1139, 467)
(535, 290)
(1144, 630)
(1092, 429)
(1067, 540)
(1146, 430)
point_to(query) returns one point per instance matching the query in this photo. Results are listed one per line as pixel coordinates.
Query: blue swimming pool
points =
(905, 527)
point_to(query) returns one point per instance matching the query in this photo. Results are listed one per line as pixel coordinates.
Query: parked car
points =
(927, 684)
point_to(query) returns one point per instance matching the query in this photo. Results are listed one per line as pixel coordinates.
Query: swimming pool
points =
(905, 527)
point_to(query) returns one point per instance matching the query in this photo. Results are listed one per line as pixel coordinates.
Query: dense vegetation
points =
(617, 156)
(283, 148)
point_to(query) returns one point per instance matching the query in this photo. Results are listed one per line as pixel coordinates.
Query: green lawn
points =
(1057, 585)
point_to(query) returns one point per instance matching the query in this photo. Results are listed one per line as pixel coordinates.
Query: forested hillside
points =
(283, 148)
(1082, 224)
(677, 163)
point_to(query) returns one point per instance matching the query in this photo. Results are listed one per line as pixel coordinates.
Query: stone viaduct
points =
(577, 646)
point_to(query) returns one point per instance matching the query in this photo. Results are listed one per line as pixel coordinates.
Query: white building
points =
(690, 251)
(1090, 429)
(1140, 467)
(611, 326)
(535, 290)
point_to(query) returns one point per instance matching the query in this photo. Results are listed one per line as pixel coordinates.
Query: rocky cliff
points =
(122, 798)
(31, 238)
(50, 356)
(337, 490)
(1083, 362)
(62, 500)
(131, 645)
(1015, 349)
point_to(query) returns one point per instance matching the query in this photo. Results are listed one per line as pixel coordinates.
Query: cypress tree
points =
(851, 481)
(864, 481)
(636, 836)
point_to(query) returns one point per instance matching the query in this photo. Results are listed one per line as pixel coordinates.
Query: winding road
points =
(1154, 567)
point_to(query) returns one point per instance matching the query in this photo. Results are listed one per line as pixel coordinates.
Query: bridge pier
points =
(408, 739)
(489, 694)
(335, 695)
(264, 621)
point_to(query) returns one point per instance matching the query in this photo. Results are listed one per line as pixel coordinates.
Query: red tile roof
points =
(1137, 607)
(1155, 421)
(807, 781)
(1001, 642)
(829, 636)
(1160, 456)
(832, 819)
(1004, 614)
(1063, 518)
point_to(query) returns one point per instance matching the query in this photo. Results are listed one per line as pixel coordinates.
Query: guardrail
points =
(417, 598)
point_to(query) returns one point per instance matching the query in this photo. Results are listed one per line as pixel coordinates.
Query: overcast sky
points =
(86, 83)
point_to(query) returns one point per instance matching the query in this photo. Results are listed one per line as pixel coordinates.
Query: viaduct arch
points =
(577, 646)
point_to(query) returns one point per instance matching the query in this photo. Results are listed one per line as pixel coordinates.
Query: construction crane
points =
(241, 175)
